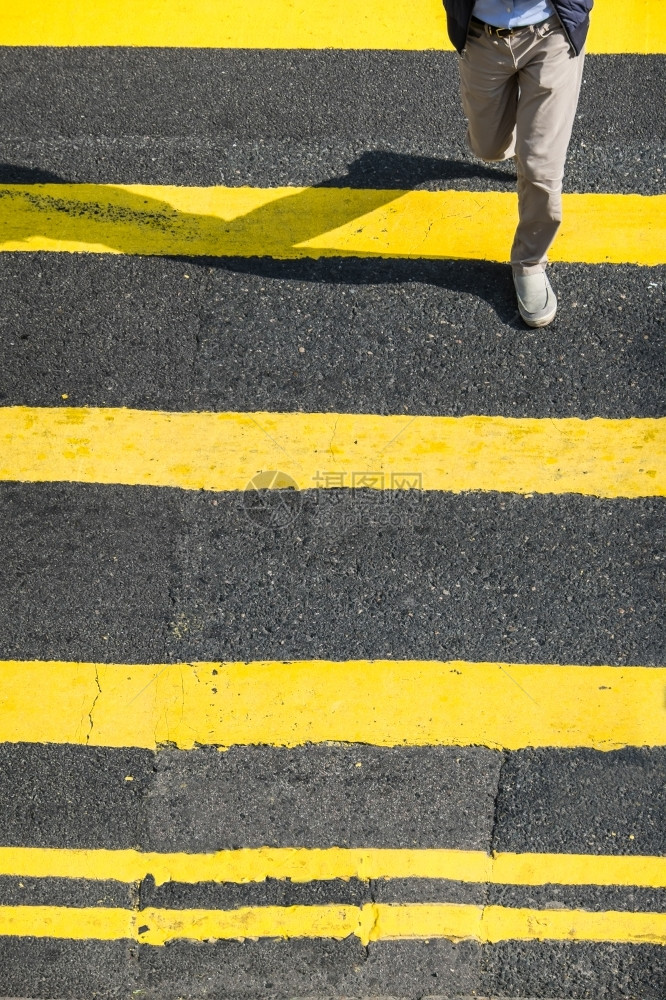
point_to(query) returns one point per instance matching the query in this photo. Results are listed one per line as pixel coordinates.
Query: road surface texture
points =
(332, 598)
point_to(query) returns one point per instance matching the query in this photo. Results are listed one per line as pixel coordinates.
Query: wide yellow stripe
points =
(321, 864)
(225, 451)
(617, 25)
(371, 922)
(289, 223)
(503, 706)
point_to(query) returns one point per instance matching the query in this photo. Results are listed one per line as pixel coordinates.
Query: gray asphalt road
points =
(111, 574)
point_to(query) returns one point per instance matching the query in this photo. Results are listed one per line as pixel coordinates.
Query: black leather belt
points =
(495, 32)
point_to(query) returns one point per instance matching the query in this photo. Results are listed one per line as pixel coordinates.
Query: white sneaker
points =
(536, 299)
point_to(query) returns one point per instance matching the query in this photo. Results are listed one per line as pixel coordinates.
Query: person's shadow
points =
(267, 235)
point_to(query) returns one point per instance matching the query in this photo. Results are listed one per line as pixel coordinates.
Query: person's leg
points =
(549, 79)
(489, 92)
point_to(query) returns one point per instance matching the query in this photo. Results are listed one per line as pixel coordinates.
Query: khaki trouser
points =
(520, 95)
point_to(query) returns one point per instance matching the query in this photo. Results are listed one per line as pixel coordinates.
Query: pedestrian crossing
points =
(251, 758)
(606, 458)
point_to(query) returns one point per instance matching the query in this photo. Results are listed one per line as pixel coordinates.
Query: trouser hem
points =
(522, 270)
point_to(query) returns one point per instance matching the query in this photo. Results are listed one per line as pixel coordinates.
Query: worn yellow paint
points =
(225, 451)
(492, 924)
(578, 869)
(371, 922)
(97, 923)
(255, 864)
(379, 702)
(290, 222)
(617, 25)
(253, 922)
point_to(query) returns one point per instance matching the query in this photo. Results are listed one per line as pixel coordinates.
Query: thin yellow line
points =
(379, 702)
(371, 922)
(225, 451)
(578, 869)
(251, 922)
(302, 865)
(617, 25)
(96, 923)
(291, 223)
(496, 923)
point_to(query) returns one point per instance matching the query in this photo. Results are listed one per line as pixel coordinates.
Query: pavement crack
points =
(367, 926)
(427, 232)
(133, 947)
(92, 707)
(135, 889)
(330, 443)
(491, 851)
(493, 831)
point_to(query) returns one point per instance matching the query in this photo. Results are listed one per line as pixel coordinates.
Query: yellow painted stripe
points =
(321, 864)
(225, 451)
(578, 869)
(379, 702)
(372, 922)
(97, 923)
(617, 25)
(496, 923)
(290, 222)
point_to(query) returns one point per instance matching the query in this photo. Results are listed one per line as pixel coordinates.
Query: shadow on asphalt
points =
(125, 220)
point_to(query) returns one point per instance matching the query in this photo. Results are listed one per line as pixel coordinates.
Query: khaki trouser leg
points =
(489, 91)
(528, 82)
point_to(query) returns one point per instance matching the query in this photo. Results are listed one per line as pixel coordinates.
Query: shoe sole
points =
(541, 321)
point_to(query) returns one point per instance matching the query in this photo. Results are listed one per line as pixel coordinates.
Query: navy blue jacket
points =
(574, 15)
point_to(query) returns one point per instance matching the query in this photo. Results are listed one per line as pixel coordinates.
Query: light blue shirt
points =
(512, 13)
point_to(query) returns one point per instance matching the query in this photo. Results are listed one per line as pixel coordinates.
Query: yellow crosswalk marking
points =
(371, 922)
(379, 702)
(617, 25)
(299, 864)
(226, 451)
(295, 223)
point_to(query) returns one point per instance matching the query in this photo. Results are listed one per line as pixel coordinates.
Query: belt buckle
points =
(501, 32)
